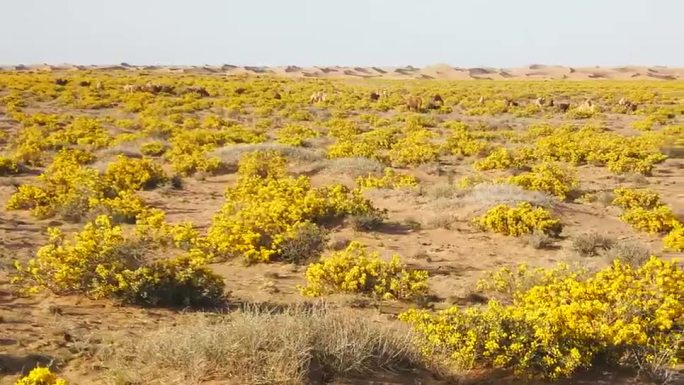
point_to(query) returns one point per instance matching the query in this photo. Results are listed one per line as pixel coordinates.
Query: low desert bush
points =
(356, 270)
(549, 178)
(631, 253)
(366, 222)
(592, 244)
(307, 242)
(674, 240)
(518, 220)
(633, 198)
(658, 220)
(41, 376)
(100, 262)
(620, 316)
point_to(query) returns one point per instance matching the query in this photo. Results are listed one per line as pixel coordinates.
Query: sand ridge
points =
(436, 72)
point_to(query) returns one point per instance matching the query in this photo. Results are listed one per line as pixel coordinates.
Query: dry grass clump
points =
(539, 240)
(354, 167)
(230, 155)
(632, 253)
(591, 244)
(487, 195)
(255, 346)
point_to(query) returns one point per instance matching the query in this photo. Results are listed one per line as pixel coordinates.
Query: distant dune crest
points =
(438, 71)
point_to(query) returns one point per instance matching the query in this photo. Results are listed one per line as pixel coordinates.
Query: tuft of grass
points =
(338, 243)
(632, 253)
(367, 222)
(539, 240)
(488, 195)
(230, 155)
(442, 220)
(442, 190)
(354, 167)
(256, 346)
(591, 244)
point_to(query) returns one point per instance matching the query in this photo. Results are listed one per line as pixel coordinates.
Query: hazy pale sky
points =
(498, 33)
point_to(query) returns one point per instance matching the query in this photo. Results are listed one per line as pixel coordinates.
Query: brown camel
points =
(414, 103)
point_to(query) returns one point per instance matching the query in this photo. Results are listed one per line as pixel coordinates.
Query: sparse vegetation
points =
(164, 189)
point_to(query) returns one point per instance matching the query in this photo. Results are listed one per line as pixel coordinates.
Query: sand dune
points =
(437, 71)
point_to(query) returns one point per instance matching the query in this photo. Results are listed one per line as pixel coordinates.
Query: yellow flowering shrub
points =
(501, 159)
(620, 315)
(632, 198)
(508, 282)
(41, 376)
(461, 142)
(618, 153)
(184, 280)
(390, 180)
(262, 165)
(101, 262)
(674, 240)
(295, 135)
(470, 181)
(153, 149)
(8, 166)
(356, 270)
(153, 229)
(658, 220)
(64, 185)
(82, 131)
(132, 174)
(415, 148)
(550, 178)
(266, 207)
(89, 263)
(518, 220)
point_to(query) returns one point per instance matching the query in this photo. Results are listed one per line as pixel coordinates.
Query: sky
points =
(495, 33)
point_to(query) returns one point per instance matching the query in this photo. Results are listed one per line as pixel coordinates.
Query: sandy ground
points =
(45, 328)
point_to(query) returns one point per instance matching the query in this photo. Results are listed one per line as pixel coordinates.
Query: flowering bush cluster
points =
(545, 177)
(619, 316)
(356, 270)
(646, 212)
(265, 208)
(41, 376)
(101, 262)
(72, 189)
(390, 180)
(518, 220)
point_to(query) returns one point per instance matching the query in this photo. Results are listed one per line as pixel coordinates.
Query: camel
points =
(414, 103)
(629, 105)
(61, 82)
(130, 88)
(562, 106)
(201, 91)
(318, 96)
(511, 103)
(435, 102)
